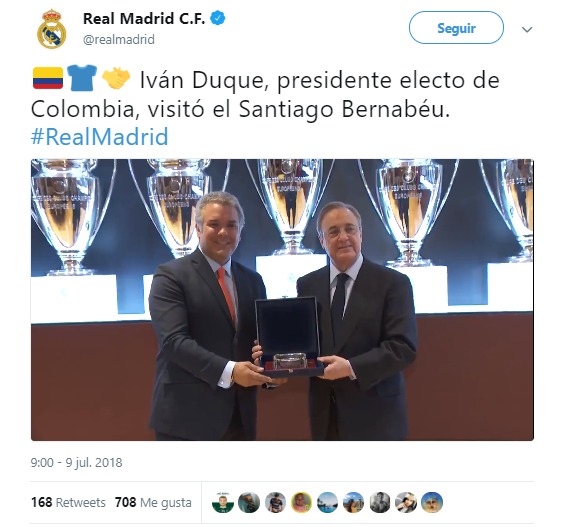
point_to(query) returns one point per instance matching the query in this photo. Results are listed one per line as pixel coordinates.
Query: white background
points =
(519, 119)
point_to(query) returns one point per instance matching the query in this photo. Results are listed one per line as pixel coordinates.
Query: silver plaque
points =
(290, 361)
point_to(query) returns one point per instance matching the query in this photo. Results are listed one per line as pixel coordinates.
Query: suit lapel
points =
(322, 293)
(244, 297)
(202, 267)
(354, 308)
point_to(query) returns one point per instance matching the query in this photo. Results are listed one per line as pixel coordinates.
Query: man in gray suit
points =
(368, 336)
(202, 310)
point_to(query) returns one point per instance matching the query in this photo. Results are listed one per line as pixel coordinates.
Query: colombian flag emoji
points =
(47, 78)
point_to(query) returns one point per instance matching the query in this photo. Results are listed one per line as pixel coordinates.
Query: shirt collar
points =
(352, 271)
(214, 265)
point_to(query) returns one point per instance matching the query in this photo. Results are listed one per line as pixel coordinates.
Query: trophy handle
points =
(106, 203)
(324, 186)
(445, 197)
(206, 164)
(494, 197)
(227, 173)
(257, 188)
(375, 204)
(147, 208)
(38, 223)
(37, 166)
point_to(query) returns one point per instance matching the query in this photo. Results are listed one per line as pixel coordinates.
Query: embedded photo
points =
(282, 300)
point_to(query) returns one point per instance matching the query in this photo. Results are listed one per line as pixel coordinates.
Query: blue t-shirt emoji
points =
(82, 77)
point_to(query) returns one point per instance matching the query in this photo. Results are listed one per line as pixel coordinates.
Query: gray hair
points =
(337, 205)
(221, 198)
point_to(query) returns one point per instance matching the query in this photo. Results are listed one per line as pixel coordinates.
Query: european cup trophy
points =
(67, 206)
(408, 195)
(173, 191)
(510, 183)
(291, 190)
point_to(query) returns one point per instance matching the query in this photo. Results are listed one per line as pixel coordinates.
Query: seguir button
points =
(456, 27)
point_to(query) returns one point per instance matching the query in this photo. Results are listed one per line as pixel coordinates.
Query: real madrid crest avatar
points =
(51, 34)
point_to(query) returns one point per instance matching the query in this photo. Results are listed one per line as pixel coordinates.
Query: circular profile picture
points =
(405, 502)
(275, 502)
(380, 502)
(248, 502)
(353, 502)
(222, 503)
(301, 502)
(431, 502)
(327, 502)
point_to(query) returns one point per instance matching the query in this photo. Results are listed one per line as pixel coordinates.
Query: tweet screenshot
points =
(195, 333)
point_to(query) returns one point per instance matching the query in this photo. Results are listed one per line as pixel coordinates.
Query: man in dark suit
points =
(368, 336)
(361, 395)
(202, 310)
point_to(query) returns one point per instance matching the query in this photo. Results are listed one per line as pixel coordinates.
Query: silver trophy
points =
(173, 190)
(291, 190)
(67, 206)
(408, 195)
(510, 183)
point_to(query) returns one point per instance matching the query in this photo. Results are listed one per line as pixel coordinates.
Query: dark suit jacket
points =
(379, 339)
(196, 339)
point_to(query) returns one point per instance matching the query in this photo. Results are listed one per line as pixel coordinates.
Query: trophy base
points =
(71, 267)
(69, 299)
(292, 245)
(526, 256)
(280, 272)
(71, 272)
(292, 251)
(430, 287)
(404, 263)
(180, 253)
(511, 286)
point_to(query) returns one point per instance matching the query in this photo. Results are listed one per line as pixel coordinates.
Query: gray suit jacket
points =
(196, 339)
(379, 339)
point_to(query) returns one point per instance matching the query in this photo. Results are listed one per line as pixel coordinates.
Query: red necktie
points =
(226, 292)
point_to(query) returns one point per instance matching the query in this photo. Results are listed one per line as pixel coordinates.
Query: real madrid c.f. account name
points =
(132, 18)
